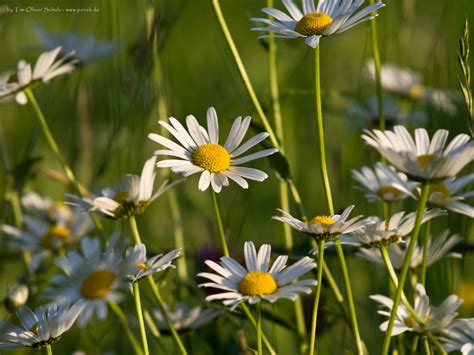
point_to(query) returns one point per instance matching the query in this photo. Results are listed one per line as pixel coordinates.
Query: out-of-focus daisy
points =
(435, 319)
(94, 277)
(368, 113)
(130, 197)
(383, 183)
(199, 151)
(184, 318)
(39, 328)
(460, 337)
(377, 233)
(44, 207)
(328, 18)
(438, 248)
(16, 297)
(141, 267)
(256, 281)
(422, 159)
(86, 49)
(46, 68)
(408, 83)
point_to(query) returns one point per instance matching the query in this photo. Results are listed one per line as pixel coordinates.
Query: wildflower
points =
(16, 297)
(460, 336)
(184, 318)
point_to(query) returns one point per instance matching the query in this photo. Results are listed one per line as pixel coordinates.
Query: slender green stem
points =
(242, 71)
(123, 319)
(133, 227)
(217, 214)
(332, 283)
(165, 314)
(317, 295)
(414, 345)
(141, 322)
(424, 263)
(254, 323)
(406, 266)
(259, 328)
(427, 346)
(49, 351)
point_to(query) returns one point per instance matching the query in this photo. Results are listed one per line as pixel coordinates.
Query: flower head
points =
(199, 151)
(16, 297)
(256, 281)
(460, 336)
(184, 318)
(328, 18)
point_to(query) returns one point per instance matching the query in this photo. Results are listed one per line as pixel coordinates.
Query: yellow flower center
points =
(212, 157)
(54, 236)
(97, 284)
(257, 283)
(415, 91)
(409, 321)
(424, 159)
(121, 197)
(388, 192)
(325, 221)
(442, 189)
(141, 265)
(313, 24)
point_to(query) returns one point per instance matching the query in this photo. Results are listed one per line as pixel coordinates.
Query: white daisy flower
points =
(45, 208)
(46, 68)
(199, 151)
(421, 159)
(184, 318)
(438, 248)
(460, 337)
(39, 328)
(328, 18)
(92, 276)
(377, 233)
(16, 296)
(435, 319)
(256, 282)
(141, 267)
(383, 183)
(130, 197)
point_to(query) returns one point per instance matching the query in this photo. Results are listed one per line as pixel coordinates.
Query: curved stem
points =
(49, 351)
(254, 323)
(133, 227)
(138, 308)
(317, 295)
(123, 319)
(259, 328)
(424, 263)
(217, 214)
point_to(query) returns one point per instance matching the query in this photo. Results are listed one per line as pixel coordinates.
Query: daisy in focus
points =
(328, 18)
(460, 337)
(39, 328)
(257, 281)
(46, 68)
(199, 151)
(422, 159)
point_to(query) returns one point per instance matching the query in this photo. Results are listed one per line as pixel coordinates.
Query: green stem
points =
(254, 323)
(217, 214)
(242, 71)
(49, 351)
(406, 265)
(138, 308)
(424, 263)
(317, 295)
(414, 345)
(123, 319)
(133, 227)
(427, 346)
(259, 328)
(165, 314)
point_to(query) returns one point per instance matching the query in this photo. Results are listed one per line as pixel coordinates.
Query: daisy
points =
(39, 328)
(130, 197)
(45, 208)
(460, 337)
(184, 318)
(46, 68)
(438, 248)
(92, 276)
(256, 282)
(141, 267)
(328, 18)
(435, 319)
(16, 297)
(377, 233)
(199, 151)
(421, 159)
(383, 183)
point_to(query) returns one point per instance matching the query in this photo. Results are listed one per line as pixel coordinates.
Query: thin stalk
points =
(133, 227)
(254, 323)
(141, 322)
(123, 319)
(49, 351)
(424, 263)
(414, 345)
(406, 265)
(427, 346)
(259, 328)
(166, 316)
(217, 214)
(317, 295)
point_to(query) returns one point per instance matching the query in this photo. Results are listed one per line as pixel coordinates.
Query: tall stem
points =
(49, 351)
(424, 263)
(317, 295)
(406, 265)
(254, 323)
(141, 322)
(123, 319)
(220, 227)
(259, 328)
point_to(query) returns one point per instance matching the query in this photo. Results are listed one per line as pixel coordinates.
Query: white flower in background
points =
(405, 82)
(86, 49)
(438, 248)
(130, 197)
(199, 151)
(460, 337)
(46, 68)
(435, 319)
(377, 233)
(92, 277)
(328, 18)
(45, 208)
(16, 296)
(256, 282)
(184, 318)
(422, 159)
(39, 328)
(140, 266)
(383, 183)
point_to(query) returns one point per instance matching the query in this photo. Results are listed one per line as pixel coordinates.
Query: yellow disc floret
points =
(388, 192)
(441, 188)
(141, 265)
(212, 157)
(325, 221)
(257, 283)
(424, 159)
(97, 284)
(53, 237)
(313, 24)
(415, 91)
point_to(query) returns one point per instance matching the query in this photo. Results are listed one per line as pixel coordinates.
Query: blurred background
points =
(170, 59)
